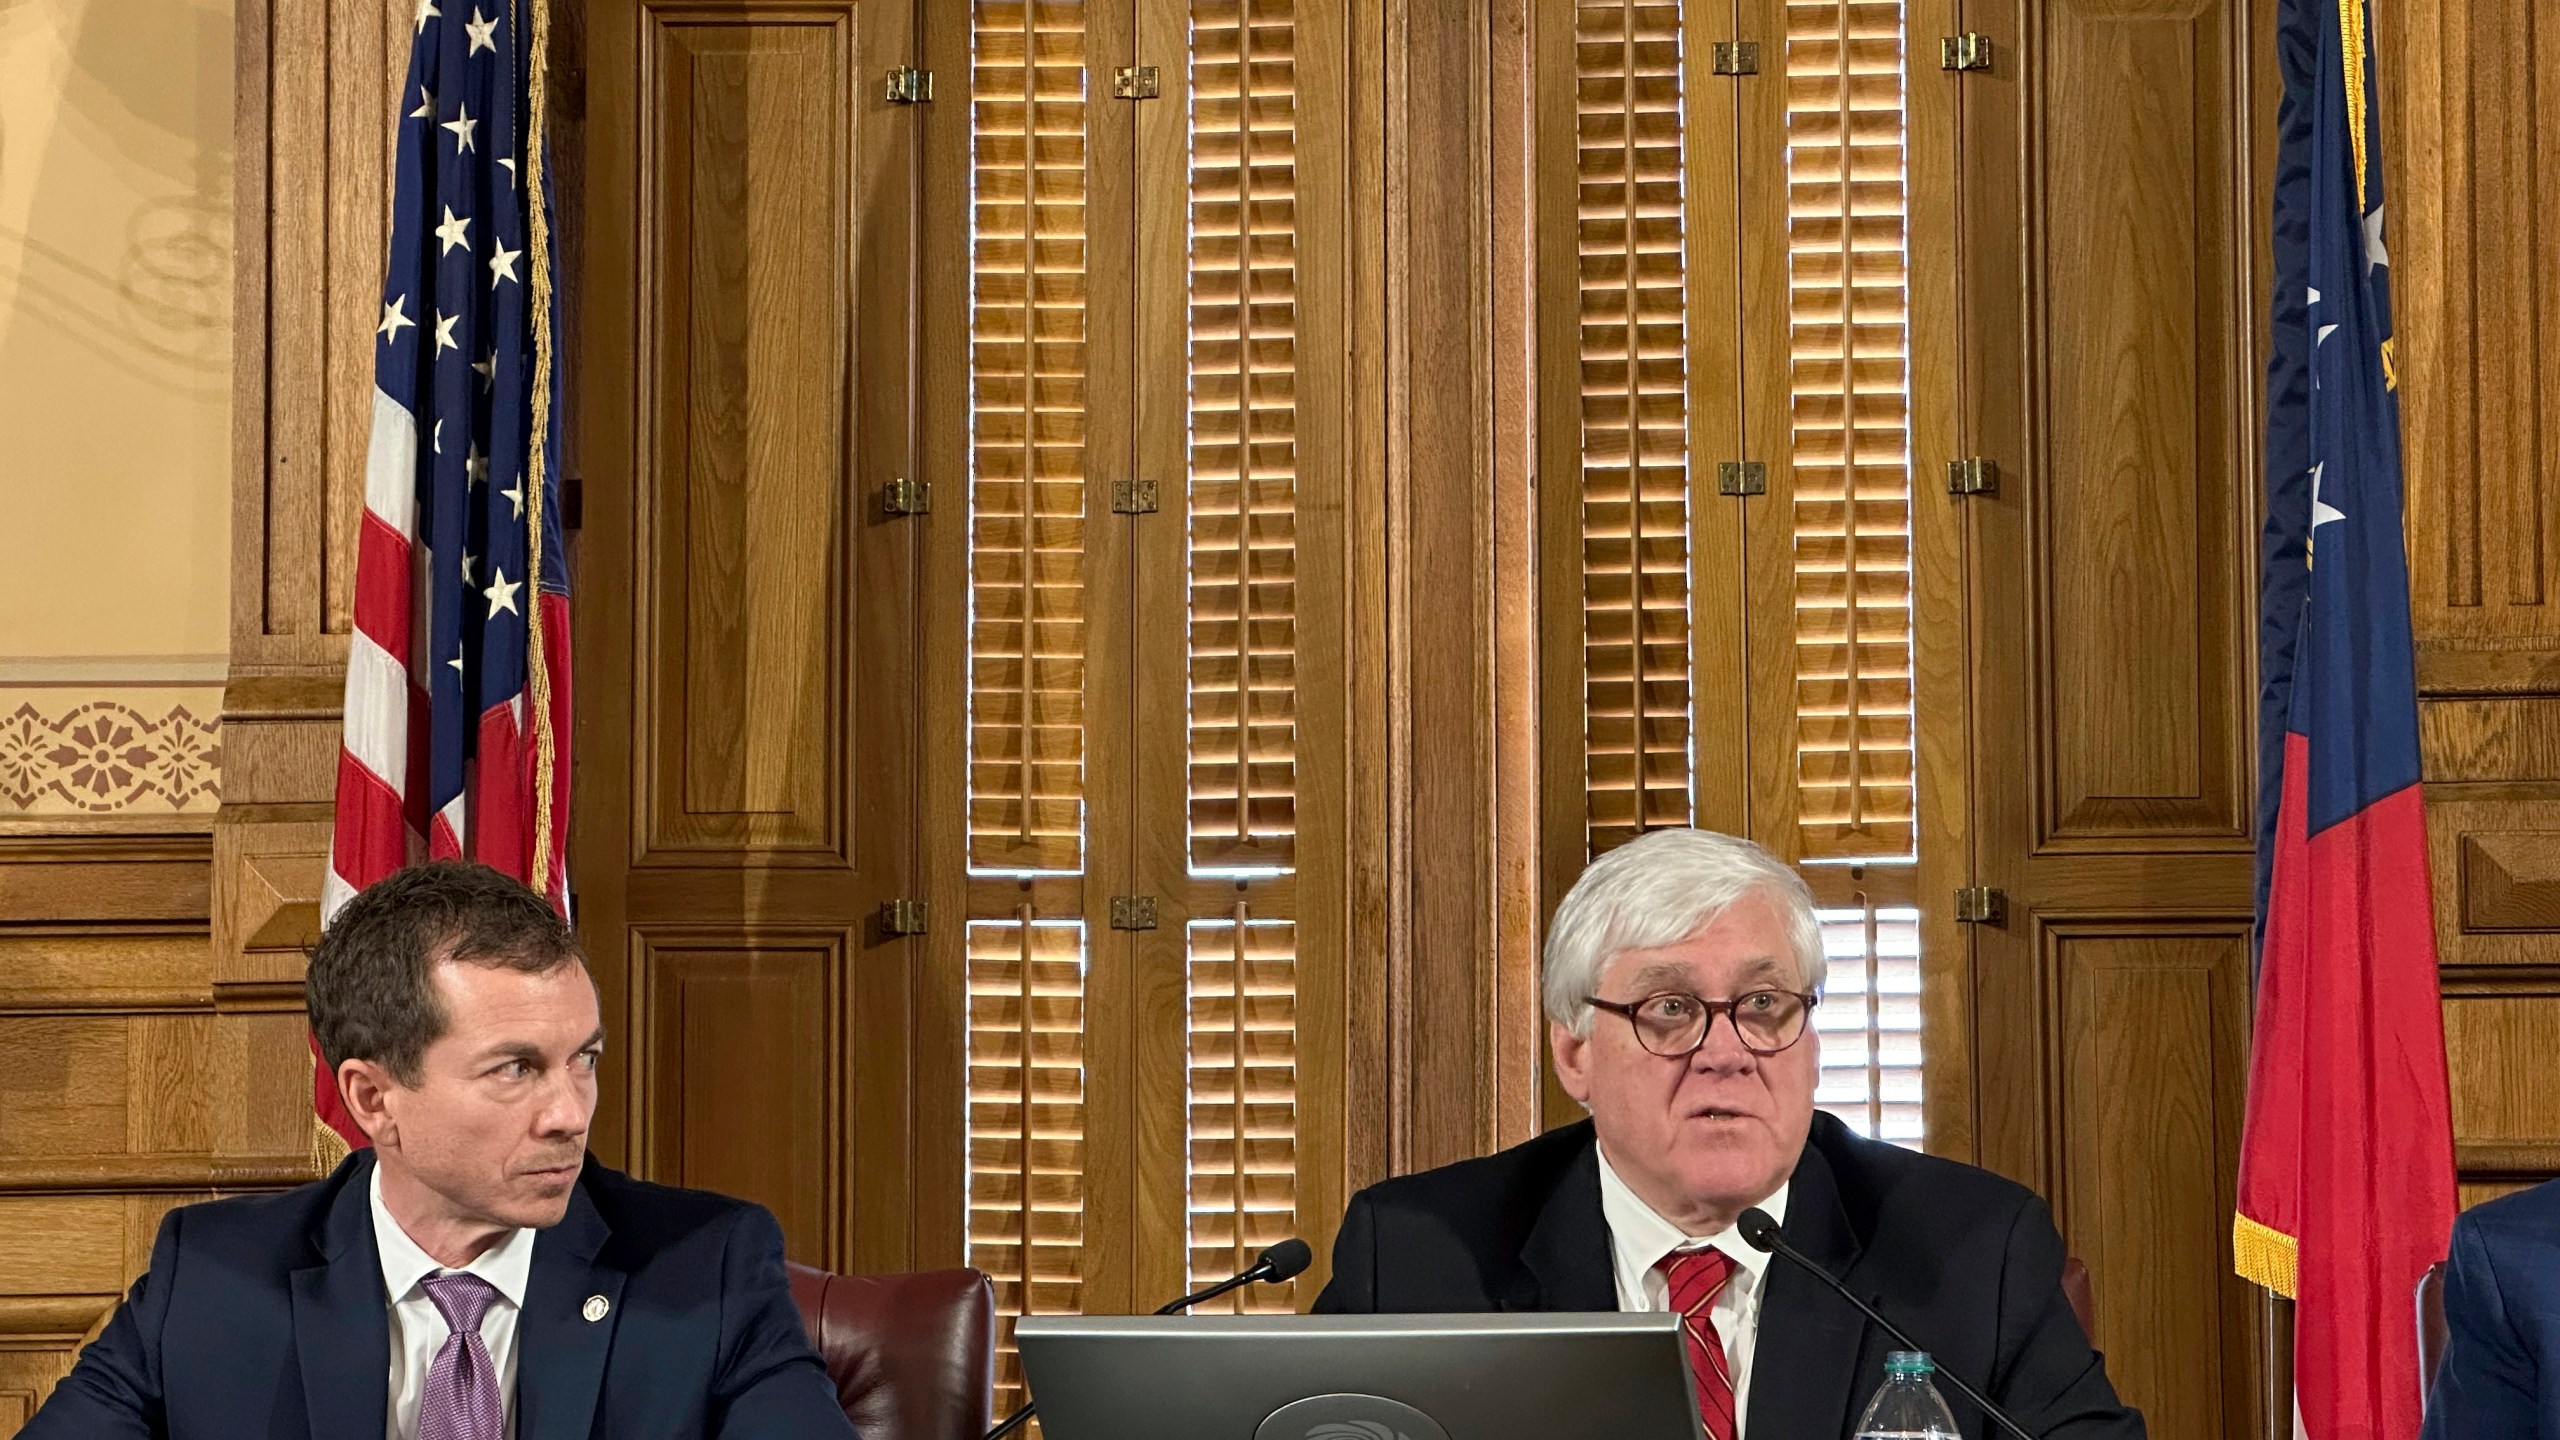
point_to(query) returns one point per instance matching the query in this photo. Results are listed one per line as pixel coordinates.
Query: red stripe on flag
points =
(369, 839)
(2348, 1146)
(383, 586)
(555, 650)
(499, 795)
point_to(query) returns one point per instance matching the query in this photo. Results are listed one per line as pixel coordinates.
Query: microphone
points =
(1761, 1233)
(1280, 1264)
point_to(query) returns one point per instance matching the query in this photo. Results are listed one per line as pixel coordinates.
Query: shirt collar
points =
(1639, 1238)
(506, 1265)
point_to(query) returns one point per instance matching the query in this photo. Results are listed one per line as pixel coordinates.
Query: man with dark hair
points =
(473, 1275)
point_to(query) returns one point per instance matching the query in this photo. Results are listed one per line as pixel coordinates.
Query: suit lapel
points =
(341, 1320)
(1807, 1354)
(561, 1369)
(1565, 1262)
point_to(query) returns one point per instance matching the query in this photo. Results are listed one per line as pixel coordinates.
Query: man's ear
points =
(1573, 1062)
(365, 1088)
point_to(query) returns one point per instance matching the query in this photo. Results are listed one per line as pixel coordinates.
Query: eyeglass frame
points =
(1728, 1008)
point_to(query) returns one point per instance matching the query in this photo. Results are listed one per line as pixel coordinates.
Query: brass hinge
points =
(902, 917)
(1975, 476)
(1133, 912)
(910, 86)
(906, 497)
(1133, 497)
(1135, 82)
(1742, 477)
(1737, 57)
(1981, 905)
(1968, 51)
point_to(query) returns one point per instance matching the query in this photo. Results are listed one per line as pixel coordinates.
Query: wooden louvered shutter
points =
(1026, 964)
(1849, 383)
(1634, 372)
(1247, 879)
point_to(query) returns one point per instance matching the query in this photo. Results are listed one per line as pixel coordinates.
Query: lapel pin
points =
(596, 1306)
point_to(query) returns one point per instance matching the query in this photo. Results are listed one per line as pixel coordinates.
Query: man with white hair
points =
(1681, 975)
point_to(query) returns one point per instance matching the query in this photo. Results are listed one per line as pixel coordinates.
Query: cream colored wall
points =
(115, 413)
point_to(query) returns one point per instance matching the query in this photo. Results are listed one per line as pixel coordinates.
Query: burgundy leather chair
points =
(2430, 1329)
(2075, 1288)
(913, 1356)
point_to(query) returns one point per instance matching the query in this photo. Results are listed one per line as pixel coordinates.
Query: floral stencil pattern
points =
(102, 757)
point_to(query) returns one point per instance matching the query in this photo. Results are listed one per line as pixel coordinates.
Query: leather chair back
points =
(2075, 1288)
(2430, 1329)
(913, 1356)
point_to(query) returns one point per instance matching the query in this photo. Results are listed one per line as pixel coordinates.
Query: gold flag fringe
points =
(537, 659)
(2263, 1255)
(328, 1147)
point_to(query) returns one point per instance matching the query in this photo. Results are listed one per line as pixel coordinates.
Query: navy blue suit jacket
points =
(2501, 1370)
(265, 1319)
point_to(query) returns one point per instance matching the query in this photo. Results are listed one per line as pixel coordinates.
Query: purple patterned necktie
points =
(461, 1399)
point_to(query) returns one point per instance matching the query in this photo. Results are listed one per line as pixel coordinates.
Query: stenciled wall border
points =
(110, 735)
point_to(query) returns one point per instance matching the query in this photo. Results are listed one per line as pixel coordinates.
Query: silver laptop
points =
(1359, 1377)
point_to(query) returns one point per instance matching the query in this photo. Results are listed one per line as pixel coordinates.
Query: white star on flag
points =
(393, 319)
(426, 11)
(517, 496)
(470, 564)
(2374, 254)
(2321, 512)
(462, 126)
(426, 105)
(480, 27)
(488, 368)
(501, 593)
(502, 264)
(454, 233)
(475, 467)
(444, 337)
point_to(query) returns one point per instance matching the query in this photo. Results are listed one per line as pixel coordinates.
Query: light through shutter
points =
(1635, 448)
(1240, 971)
(1243, 1120)
(1026, 655)
(1026, 1119)
(1244, 461)
(1849, 354)
(1027, 428)
(1869, 1021)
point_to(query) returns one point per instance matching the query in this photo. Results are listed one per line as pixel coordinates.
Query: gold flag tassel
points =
(536, 658)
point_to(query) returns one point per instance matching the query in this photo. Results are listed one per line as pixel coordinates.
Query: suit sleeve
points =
(2487, 1383)
(2046, 1374)
(114, 1392)
(1353, 1290)
(770, 1384)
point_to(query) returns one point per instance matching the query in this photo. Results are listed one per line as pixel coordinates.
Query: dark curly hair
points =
(371, 981)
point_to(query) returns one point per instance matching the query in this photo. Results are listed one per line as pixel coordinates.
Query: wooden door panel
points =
(2137, 428)
(746, 1065)
(745, 328)
(747, 763)
(2153, 1110)
(2109, 345)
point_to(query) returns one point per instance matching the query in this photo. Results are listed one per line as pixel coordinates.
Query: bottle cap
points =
(1903, 1364)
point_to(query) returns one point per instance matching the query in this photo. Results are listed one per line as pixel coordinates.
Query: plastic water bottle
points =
(1908, 1407)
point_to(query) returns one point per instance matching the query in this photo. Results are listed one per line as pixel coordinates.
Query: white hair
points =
(1660, 889)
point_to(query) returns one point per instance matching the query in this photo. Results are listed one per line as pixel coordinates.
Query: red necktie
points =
(1697, 1277)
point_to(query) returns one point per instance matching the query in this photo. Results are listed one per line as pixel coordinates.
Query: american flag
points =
(445, 750)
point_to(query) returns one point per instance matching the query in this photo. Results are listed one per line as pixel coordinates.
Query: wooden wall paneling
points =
(2147, 1176)
(2109, 250)
(1943, 727)
(2471, 88)
(1458, 297)
(747, 794)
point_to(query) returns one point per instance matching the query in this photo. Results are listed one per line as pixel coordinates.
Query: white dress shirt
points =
(418, 1330)
(1639, 1240)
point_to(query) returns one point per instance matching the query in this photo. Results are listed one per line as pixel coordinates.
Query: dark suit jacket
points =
(1965, 1261)
(265, 1319)
(2501, 1370)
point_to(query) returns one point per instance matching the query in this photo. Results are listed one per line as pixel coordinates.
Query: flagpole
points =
(537, 659)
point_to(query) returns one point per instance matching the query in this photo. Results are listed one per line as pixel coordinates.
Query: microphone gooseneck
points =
(1761, 1233)
(1278, 1265)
